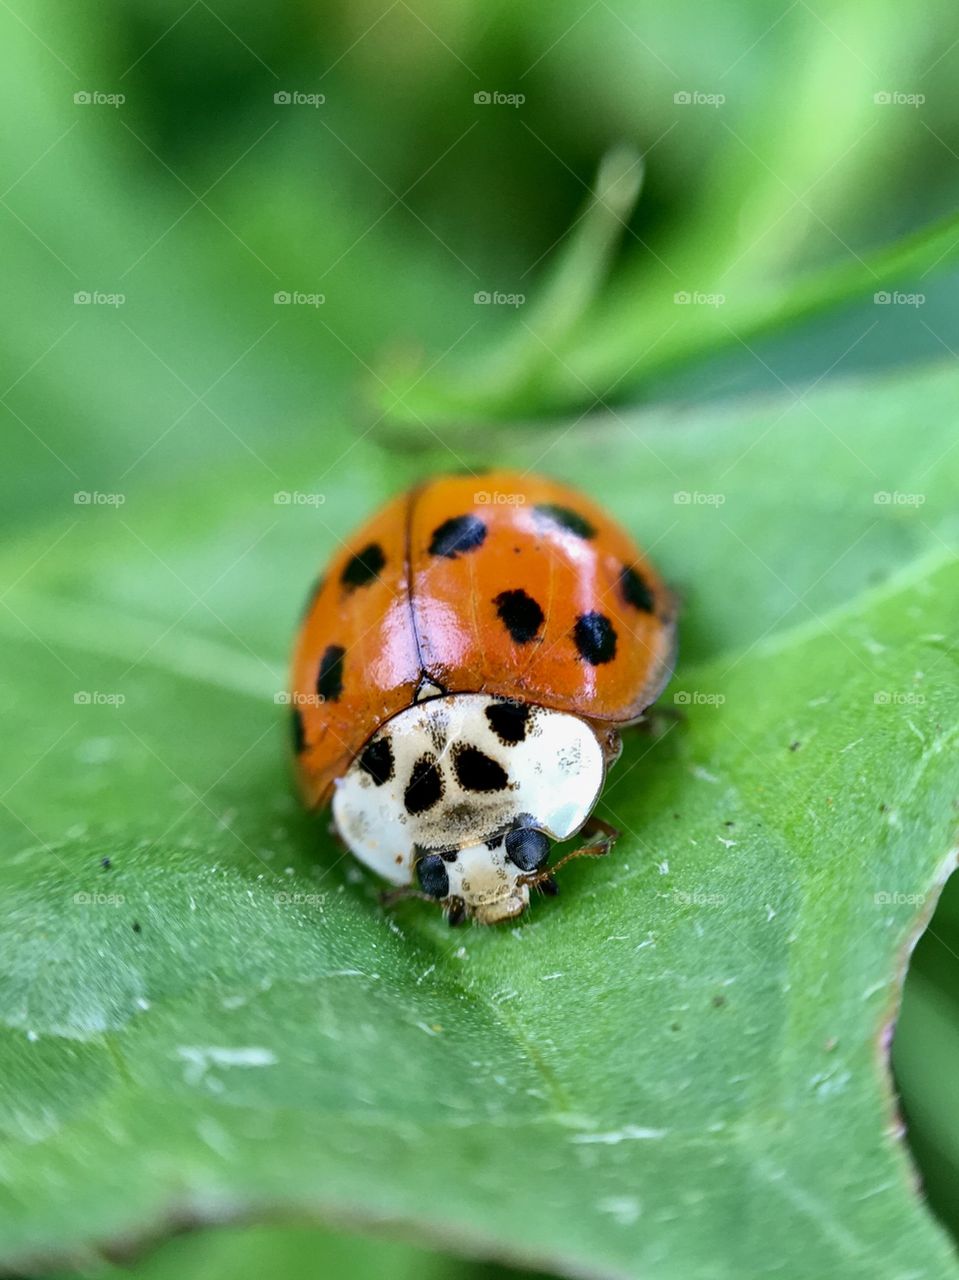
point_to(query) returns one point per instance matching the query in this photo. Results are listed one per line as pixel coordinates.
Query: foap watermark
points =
(297, 98)
(98, 899)
(694, 298)
(494, 98)
(299, 899)
(896, 499)
(285, 699)
(895, 898)
(698, 698)
(296, 498)
(93, 498)
(898, 698)
(896, 98)
(693, 498)
(892, 298)
(97, 698)
(486, 498)
(297, 298)
(495, 298)
(98, 298)
(698, 898)
(697, 98)
(96, 98)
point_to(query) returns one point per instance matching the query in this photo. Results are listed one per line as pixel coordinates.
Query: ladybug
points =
(460, 679)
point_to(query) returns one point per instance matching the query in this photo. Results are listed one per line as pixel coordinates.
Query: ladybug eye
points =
(431, 873)
(527, 848)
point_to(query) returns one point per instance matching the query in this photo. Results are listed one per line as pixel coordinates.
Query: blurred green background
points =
(223, 223)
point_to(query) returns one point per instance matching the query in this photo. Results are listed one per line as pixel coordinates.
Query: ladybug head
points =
(488, 882)
(463, 795)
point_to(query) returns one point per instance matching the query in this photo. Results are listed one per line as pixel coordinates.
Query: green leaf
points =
(623, 346)
(675, 1070)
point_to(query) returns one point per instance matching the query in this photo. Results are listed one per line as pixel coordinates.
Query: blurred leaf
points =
(402, 198)
(196, 365)
(510, 376)
(667, 333)
(221, 1021)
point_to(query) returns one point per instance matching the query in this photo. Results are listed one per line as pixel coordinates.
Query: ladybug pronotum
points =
(460, 679)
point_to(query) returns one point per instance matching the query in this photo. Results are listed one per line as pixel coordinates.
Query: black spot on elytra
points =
(458, 534)
(363, 568)
(299, 733)
(508, 720)
(377, 760)
(432, 875)
(425, 786)
(477, 772)
(520, 614)
(595, 638)
(565, 518)
(636, 591)
(329, 680)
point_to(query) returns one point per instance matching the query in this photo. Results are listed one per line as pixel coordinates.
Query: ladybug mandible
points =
(460, 678)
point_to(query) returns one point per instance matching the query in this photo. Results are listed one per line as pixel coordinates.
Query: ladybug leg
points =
(594, 826)
(455, 907)
(390, 897)
(606, 836)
